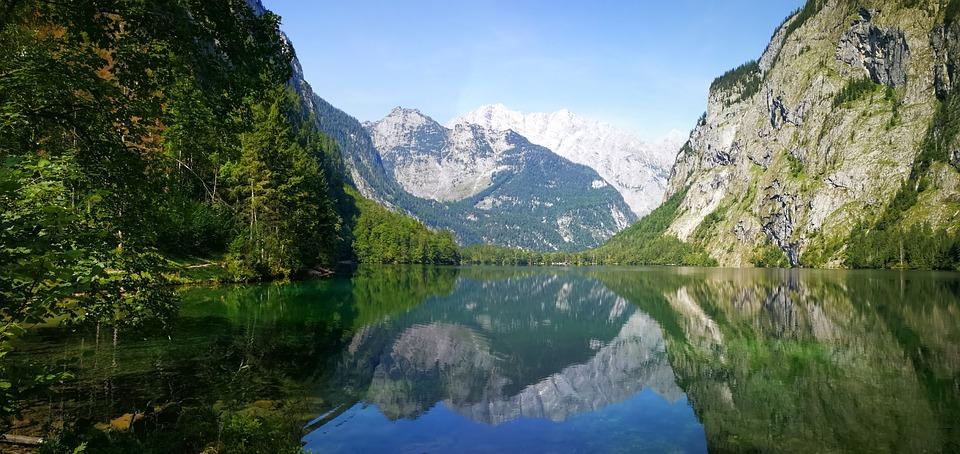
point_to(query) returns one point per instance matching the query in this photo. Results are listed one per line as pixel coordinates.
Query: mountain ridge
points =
(507, 190)
(636, 168)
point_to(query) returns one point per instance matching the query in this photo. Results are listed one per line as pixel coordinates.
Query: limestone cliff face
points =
(796, 149)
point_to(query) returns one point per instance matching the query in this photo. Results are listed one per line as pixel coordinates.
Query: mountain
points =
(436, 163)
(487, 186)
(838, 147)
(635, 168)
(358, 156)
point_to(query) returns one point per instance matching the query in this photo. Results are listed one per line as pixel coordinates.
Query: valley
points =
(790, 165)
(227, 231)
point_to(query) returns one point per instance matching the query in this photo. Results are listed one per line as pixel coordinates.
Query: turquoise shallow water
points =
(484, 359)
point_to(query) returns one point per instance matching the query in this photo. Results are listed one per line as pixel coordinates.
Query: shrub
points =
(854, 90)
(746, 77)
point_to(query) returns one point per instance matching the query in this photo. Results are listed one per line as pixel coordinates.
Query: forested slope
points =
(136, 132)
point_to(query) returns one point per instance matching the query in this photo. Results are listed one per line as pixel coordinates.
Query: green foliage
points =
(942, 134)
(710, 222)
(286, 219)
(247, 430)
(896, 101)
(917, 247)
(381, 291)
(257, 432)
(192, 227)
(800, 16)
(888, 242)
(854, 90)
(12, 383)
(58, 260)
(114, 126)
(795, 165)
(952, 12)
(821, 250)
(387, 237)
(486, 254)
(229, 374)
(61, 258)
(647, 242)
(745, 77)
(770, 256)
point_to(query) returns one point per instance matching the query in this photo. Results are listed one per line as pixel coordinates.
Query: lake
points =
(493, 359)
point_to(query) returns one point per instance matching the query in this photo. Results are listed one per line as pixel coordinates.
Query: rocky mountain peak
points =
(475, 179)
(408, 118)
(637, 169)
(403, 130)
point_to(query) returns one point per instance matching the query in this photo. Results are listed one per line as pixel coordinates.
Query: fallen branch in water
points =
(317, 272)
(20, 440)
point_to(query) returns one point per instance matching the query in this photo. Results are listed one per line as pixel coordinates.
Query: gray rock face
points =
(788, 166)
(946, 47)
(636, 168)
(436, 163)
(778, 220)
(494, 186)
(882, 52)
(772, 52)
(781, 114)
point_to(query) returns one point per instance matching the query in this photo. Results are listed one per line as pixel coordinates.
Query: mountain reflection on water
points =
(410, 359)
(539, 346)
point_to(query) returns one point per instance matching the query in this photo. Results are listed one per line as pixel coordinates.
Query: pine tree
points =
(286, 218)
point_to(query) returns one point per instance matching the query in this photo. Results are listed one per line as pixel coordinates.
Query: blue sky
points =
(642, 65)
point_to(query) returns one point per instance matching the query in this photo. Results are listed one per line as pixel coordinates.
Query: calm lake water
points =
(540, 360)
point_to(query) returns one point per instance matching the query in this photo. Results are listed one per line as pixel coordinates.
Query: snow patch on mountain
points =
(636, 168)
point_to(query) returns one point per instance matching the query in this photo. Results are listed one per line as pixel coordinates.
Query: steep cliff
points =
(845, 127)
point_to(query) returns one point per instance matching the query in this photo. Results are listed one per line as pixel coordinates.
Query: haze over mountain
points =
(837, 142)
(488, 186)
(635, 168)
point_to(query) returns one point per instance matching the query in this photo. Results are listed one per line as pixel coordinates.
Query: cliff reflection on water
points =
(779, 360)
(409, 359)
